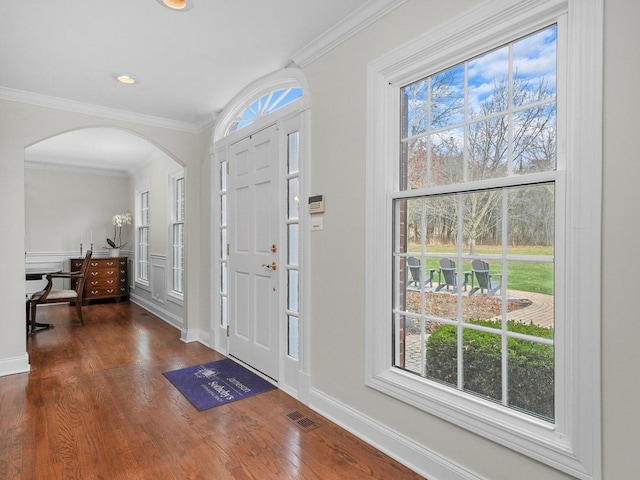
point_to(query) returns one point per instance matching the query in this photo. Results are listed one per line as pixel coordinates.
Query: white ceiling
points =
(100, 150)
(189, 64)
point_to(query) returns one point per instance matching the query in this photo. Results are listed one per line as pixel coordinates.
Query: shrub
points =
(530, 365)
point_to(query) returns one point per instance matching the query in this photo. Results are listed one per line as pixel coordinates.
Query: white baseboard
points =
(187, 335)
(421, 460)
(13, 365)
(168, 317)
(304, 388)
(195, 335)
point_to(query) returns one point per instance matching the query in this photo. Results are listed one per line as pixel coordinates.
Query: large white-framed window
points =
(142, 233)
(470, 159)
(478, 142)
(176, 225)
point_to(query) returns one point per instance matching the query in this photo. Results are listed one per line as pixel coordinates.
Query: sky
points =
(534, 61)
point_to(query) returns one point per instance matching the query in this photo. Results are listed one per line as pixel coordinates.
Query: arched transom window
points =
(264, 106)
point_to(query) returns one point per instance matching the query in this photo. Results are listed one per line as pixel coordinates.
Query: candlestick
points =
(80, 248)
(92, 246)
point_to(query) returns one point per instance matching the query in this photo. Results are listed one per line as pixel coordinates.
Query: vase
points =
(114, 252)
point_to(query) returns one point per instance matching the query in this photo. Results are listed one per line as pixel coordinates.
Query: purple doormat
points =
(216, 383)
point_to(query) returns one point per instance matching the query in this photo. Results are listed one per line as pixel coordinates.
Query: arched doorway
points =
(95, 173)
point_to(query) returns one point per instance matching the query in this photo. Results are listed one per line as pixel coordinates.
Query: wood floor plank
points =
(96, 406)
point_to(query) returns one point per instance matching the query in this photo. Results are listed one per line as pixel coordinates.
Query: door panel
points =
(263, 303)
(242, 311)
(253, 228)
(241, 220)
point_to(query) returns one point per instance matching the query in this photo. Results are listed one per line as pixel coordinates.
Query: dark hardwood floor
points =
(96, 406)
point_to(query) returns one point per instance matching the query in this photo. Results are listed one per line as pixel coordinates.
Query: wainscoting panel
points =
(158, 278)
(154, 296)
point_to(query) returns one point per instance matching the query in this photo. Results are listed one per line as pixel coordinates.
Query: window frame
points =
(292, 265)
(141, 189)
(175, 204)
(411, 188)
(572, 444)
(264, 106)
(222, 252)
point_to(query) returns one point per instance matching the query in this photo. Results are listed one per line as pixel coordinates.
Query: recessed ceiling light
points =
(125, 78)
(177, 5)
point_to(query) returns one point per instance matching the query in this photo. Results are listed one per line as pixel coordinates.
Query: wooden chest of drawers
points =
(106, 278)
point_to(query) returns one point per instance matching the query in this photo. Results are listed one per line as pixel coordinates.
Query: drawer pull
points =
(107, 277)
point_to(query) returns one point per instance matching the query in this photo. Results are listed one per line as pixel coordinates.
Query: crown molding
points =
(100, 111)
(206, 122)
(340, 32)
(345, 29)
(76, 169)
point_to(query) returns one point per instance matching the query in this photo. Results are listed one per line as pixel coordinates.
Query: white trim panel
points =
(421, 460)
(13, 365)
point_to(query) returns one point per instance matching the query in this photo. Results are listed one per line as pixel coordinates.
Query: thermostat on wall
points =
(316, 204)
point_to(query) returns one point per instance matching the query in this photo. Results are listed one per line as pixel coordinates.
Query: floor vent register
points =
(302, 421)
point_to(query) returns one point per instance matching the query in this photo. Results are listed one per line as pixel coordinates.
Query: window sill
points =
(528, 435)
(176, 298)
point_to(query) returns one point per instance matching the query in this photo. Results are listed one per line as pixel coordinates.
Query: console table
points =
(107, 278)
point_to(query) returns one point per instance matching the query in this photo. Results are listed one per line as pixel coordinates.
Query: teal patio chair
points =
(486, 285)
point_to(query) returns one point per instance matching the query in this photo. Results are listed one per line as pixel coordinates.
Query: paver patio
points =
(540, 312)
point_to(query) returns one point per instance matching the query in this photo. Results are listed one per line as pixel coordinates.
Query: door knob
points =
(273, 266)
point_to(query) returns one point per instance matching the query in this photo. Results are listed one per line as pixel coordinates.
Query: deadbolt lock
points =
(274, 248)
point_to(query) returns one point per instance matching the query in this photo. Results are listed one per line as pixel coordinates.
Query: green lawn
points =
(525, 276)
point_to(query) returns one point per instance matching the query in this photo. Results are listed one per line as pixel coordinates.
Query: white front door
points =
(254, 247)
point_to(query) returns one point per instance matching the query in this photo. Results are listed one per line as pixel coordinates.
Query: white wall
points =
(154, 296)
(156, 175)
(621, 231)
(62, 207)
(337, 84)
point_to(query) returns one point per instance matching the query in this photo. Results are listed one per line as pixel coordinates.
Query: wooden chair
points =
(51, 295)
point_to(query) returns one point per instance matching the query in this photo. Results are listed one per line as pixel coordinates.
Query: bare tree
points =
(497, 144)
